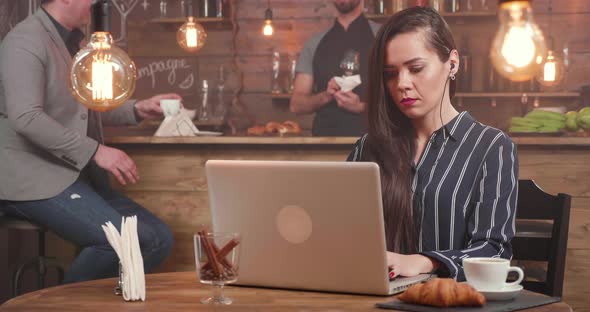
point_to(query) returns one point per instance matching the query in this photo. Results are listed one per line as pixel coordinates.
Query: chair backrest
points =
(542, 224)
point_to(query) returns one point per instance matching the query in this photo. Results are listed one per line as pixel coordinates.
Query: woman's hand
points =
(410, 265)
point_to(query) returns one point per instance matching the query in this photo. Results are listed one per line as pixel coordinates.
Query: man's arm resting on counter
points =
(302, 101)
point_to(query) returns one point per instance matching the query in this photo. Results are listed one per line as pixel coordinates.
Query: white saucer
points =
(506, 293)
(208, 133)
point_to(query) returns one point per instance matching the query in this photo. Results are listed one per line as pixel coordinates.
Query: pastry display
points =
(443, 292)
(276, 128)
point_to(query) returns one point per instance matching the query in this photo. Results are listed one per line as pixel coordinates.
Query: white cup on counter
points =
(171, 107)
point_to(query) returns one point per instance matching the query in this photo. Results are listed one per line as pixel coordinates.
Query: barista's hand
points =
(349, 101)
(118, 163)
(150, 108)
(410, 265)
(333, 87)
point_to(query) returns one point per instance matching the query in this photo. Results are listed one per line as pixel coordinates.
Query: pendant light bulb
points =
(552, 71)
(268, 29)
(191, 36)
(518, 47)
(102, 75)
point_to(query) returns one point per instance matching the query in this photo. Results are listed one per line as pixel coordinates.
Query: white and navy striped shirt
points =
(465, 191)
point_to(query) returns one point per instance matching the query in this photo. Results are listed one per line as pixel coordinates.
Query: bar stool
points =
(40, 262)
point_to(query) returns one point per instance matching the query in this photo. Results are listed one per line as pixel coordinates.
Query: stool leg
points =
(41, 266)
(16, 276)
(41, 272)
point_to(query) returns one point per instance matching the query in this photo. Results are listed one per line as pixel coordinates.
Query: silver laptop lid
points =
(304, 225)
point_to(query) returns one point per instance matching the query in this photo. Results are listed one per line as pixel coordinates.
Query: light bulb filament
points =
(518, 47)
(191, 37)
(549, 71)
(102, 78)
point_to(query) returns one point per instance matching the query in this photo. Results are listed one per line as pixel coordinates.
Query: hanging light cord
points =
(550, 9)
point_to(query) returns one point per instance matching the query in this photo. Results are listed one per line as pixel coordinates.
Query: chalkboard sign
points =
(157, 75)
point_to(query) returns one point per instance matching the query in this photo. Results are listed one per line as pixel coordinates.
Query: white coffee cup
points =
(171, 107)
(490, 273)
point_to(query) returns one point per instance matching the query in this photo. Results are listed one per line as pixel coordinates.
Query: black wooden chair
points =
(41, 263)
(542, 223)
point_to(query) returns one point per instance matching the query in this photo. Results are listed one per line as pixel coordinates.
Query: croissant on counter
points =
(443, 292)
(273, 127)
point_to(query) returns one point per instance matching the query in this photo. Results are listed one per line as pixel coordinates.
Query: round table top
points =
(181, 291)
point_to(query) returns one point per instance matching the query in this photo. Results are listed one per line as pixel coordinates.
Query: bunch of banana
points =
(581, 118)
(538, 121)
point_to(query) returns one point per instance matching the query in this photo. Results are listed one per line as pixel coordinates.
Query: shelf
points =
(446, 15)
(484, 95)
(518, 94)
(210, 23)
(181, 20)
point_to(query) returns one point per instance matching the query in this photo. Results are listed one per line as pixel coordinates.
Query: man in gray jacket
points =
(53, 163)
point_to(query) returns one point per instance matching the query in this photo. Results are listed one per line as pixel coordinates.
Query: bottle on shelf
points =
(219, 109)
(490, 80)
(204, 110)
(465, 67)
(276, 69)
(393, 6)
(379, 7)
(292, 67)
(163, 8)
(437, 5)
(208, 8)
(452, 6)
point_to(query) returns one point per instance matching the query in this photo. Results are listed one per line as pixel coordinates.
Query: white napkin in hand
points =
(348, 83)
(178, 125)
(126, 245)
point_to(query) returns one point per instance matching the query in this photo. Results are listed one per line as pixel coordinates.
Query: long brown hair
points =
(391, 136)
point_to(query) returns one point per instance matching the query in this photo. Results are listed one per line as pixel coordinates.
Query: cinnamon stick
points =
(221, 253)
(211, 254)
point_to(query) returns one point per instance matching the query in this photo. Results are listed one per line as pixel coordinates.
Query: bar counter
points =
(173, 185)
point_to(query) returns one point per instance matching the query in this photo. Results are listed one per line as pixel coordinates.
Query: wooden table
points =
(180, 291)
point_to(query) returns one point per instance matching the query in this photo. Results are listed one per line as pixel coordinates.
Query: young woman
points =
(449, 183)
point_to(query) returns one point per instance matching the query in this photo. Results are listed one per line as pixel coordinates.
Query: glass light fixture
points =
(519, 46)
(553, 68)
(102, 75)
(191, 36)
(268, 29)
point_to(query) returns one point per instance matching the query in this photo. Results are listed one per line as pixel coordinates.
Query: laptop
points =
(305, 224)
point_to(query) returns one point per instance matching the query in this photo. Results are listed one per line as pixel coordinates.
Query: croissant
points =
(443, 292)
(292, 127)
(275, 127)
(257, 130)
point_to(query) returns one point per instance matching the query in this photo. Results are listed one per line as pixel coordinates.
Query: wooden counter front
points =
(174, 187)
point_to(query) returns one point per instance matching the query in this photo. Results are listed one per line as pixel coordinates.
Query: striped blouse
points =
(465, 190)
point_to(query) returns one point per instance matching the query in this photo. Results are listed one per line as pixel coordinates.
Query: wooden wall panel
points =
(575, 287)
(553, 173)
